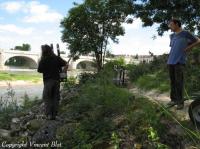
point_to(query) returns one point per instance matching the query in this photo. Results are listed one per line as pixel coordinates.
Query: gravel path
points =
(162, 100)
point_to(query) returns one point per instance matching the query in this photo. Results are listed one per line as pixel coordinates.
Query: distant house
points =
(135, 58)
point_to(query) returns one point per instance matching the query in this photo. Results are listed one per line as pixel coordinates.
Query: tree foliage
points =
(24, 47)
(88, 27)
(161, 11)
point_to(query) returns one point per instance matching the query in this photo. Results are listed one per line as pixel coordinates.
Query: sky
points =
(37, 22)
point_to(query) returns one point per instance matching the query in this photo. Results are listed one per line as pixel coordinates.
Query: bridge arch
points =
(86, 65)
(19, 61)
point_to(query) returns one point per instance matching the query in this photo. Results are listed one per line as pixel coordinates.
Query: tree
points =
(89, 26)
(161, 11)
(24, 47)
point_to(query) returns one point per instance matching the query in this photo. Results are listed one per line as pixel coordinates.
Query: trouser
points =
(176, 73)
(51, 96)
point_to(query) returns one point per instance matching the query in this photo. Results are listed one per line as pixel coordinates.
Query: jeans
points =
(51, 96)
(176, 73)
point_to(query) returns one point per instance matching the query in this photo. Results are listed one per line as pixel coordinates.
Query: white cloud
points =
(37, 38)
(139, 41)
(49, 32)
(35, 11)
(12, 6)
(41, 13)
(14, 29)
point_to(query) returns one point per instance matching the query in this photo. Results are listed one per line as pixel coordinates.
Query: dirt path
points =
(162, 99)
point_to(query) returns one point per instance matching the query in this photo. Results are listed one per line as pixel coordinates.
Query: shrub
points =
(84, 77)
(69, 83)
(98, 101)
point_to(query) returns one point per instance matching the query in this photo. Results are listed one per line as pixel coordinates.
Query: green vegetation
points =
(157, 80)
(24, 47)
(160, 12)
(103, 115)
(98, 23)
(14, 76)
(98, 114)
(154, 75)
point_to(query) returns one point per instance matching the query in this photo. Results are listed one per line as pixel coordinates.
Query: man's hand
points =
(197, 43)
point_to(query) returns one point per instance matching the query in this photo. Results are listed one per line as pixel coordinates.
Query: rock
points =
(177, 130)
(15, 120)
(5, 133)
(173, 141)
(27, 118)
(35, 124)
(24, 134)
(15, 124)
(47, 132)
(120, 121)
(104, 145)
(173, 128)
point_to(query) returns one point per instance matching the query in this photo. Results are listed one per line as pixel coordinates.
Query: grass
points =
(14, 76)
(158, 81)
(98, 104)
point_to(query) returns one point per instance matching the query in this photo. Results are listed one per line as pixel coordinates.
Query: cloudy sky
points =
(38, 22)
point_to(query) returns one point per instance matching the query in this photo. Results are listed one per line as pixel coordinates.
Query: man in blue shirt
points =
(181, 41)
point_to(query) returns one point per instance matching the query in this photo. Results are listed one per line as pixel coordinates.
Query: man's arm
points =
(63, 64)
(197, 43)
(40, 67)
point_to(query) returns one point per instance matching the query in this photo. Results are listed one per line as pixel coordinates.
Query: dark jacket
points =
(50, 67)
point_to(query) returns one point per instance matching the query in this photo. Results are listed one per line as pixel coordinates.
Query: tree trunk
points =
(98, 61)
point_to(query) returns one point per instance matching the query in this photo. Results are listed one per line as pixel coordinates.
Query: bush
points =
(159, 63)
(69, 83)
(98, 101)
(158, 81)
(154, 75)
(84, 77)
(135, 71)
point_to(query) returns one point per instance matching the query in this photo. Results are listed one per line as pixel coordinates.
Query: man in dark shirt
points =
(50, 65)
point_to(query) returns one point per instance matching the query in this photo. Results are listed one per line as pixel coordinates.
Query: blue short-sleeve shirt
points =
(178, 42)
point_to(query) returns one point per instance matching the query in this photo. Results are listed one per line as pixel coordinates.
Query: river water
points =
(33, 90)
(20, 88)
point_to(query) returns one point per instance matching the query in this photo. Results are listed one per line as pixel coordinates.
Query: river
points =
(20, 88)
(33, 90)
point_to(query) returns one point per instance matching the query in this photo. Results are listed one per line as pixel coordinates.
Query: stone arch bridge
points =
(84, 62)
(31, 60)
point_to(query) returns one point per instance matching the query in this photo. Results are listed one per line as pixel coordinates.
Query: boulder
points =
(35, 124)
(5, 133)
(47, 132)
